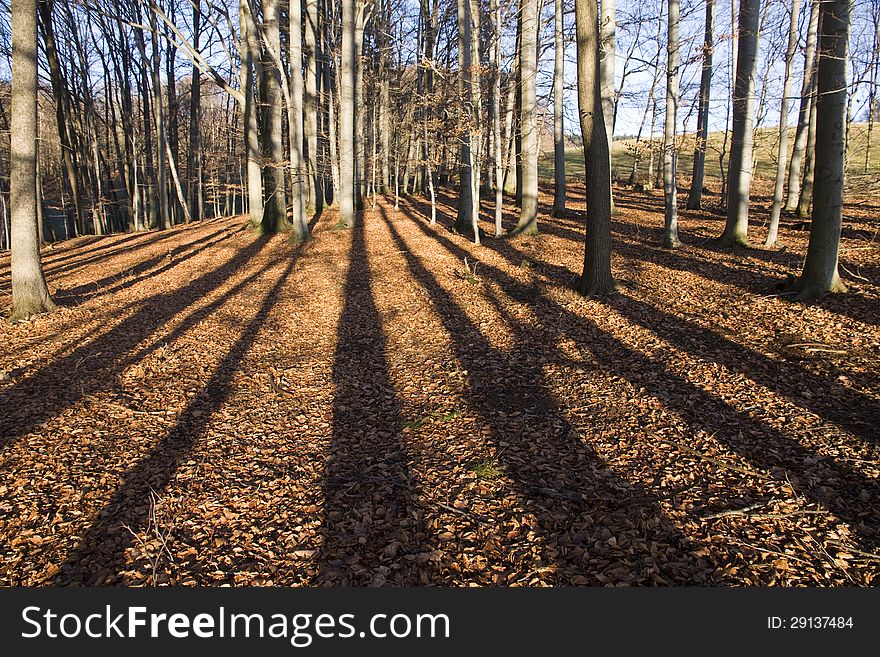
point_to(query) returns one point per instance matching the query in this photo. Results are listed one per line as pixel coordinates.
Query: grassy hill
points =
(860, 182)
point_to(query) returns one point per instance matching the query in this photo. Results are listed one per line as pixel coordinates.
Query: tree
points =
(782, 152)
(249, 50)
(820, 273)
(596, 278)
(299, 229)
(30, 295)
(495, 10)
(464, 220)
(670, 191)
(607, 67)
(195, 193)
(803, 126)
(347, 206)
(558, 125)
(275, 206)
(695, 197)
(740, 169)
(528, 218)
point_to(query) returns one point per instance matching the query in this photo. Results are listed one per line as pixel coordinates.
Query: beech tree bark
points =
(558, 125)
(820, 273)
(249, 50)
(803, 127)
(347, 153)
(596, 278)
(528, 219)
(670, 190)
(464, 219)
(782, 152)
(695, 197)
(30, 295)
(740, 169)
(275, 207)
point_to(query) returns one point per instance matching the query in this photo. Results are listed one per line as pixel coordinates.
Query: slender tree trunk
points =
(299, 229)
(161, 135)
(464, 220)
(558, 127)
(311, 55)
(740, 170)
(347, 152)
(782, 152)
(806, 196)
(803, 127)
(249, 51)
(195, 194)
(528, 219)
(495, 9)
(275, 208)
(670, 190)
(607, 67)
(695, 197)
(596, 278)
(820, 268)
(30, 295)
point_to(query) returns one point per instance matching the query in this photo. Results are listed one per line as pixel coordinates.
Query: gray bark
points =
(249, 49)
(695, 197)
(782, 152)
(528, 219)
(558, 126)
(347, 152)
(596, 278)
(30, 295)
(803, 126)
(820, 268)
(670, 191)
(740, 169)
(275, 208)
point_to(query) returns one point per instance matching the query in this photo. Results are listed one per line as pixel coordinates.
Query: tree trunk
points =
(670, 190)
(249, 51)
(30, 296)
(464, 219)
(820, 268)
(803, 126)
(528, 218)
(299, 229)
(607, 67)
(195, 195)
(695, 197)
(806, 196)
(558, 127)
(596, 278)
(311, 54)
(739, 172)
(347, 152)
(782, 152)
(161, 135)
(495, 9)
(275, 208)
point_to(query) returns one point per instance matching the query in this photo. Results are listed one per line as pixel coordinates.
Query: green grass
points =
(485, 469)
(859, 181)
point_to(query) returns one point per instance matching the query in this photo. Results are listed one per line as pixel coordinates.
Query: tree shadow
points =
(94, 366)
(100, 554)
(141, 271)
(830, 482)
(580, 503)
(370, 532)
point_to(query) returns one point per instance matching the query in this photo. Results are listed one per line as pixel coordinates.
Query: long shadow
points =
(100, 554)
(825, 480)
(143, 270)
(95, 365)
(578, 501)
(369, 493)
(103, 253)
(54, 267)
(850, 409)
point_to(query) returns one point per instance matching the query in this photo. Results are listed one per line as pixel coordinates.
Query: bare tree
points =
(528, 219)
(558, 113)
(782, 152)
(670, 191)
(30, 296)
(596, 278)
(740, 169)
(820, 273)
(695, 197)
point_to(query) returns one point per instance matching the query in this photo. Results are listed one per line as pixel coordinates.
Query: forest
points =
(502, 293)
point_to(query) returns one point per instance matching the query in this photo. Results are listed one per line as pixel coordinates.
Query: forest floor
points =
(210, 407)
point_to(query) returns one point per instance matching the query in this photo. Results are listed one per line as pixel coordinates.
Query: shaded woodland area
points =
(528, 293)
